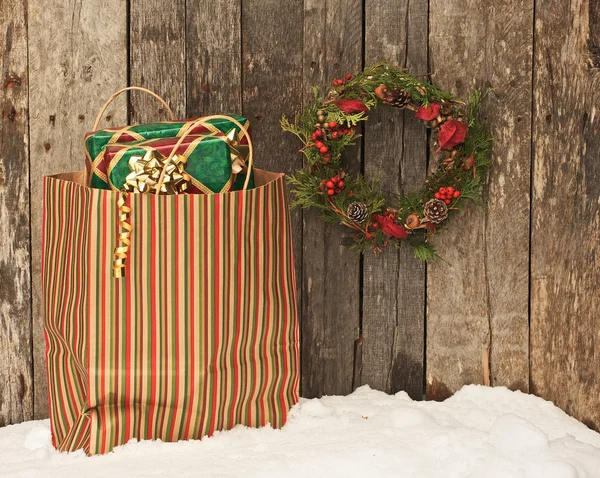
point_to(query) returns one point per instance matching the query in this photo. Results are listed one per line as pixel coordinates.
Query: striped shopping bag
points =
(199, 335)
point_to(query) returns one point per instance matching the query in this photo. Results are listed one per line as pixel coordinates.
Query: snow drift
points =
(478, 433)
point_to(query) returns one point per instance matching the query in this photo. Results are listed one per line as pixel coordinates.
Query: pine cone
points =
(395, 97)
(357, 211)
(435, 210)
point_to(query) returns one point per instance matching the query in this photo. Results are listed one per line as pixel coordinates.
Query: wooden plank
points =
(393, 317)
(77, 59)
(477, 301)
(213, 57)
(16, 372)
(157, 58)
(565, 275)
(331, 273)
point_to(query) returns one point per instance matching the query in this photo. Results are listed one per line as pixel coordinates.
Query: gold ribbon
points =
(125, 242)
(152, 173)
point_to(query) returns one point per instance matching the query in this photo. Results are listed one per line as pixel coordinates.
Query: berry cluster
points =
(340, 82)
(333, 185)
(446, 194)
(327, 130)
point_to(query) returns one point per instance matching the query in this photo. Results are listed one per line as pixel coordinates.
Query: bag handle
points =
(205, 122)
(123, 90)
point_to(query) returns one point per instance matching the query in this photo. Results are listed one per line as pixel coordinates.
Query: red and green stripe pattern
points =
(200, 335)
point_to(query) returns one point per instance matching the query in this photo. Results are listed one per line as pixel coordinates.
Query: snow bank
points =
(479, 433)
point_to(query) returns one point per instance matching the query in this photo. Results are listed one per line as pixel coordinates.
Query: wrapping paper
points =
(95, 142)
(200, 335)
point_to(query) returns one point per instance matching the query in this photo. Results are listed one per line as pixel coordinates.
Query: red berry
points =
(323, 149)
(442, 191)
(332, 124)
(334, 82)
(336, 179)
(318, 133)
(447, 201)
(450, 190)
(437, 196)
(314, 136)
(335, 135)
(319, 144)
(340, 184)
(347, 131)
(375, 225)
(456, 194)
(329, 184)
(348, 76)
(330, 192)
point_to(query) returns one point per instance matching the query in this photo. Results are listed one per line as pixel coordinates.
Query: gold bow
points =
(156, 174)
(238, 152)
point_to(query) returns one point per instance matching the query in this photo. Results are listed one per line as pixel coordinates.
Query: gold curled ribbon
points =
(152, 173)
(238, 152)
(124, 235)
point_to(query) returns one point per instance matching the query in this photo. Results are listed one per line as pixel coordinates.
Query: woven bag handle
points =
(129, 88)
(204, 122)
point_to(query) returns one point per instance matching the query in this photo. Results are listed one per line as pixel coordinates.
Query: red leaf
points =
(428, 113)
(350, 106)
(452, 133)
(390, 227)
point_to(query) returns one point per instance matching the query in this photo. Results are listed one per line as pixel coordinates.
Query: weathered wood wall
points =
(516, 300)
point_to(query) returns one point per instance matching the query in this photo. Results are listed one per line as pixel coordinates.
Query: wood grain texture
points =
(565, 277)
(16, 372)
(213, 56)
(77, 59)
(157, 47)
(61, 60)
(477, 301)
(331, 273)
(393, 320)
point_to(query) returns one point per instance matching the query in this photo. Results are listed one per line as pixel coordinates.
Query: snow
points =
(480, 432)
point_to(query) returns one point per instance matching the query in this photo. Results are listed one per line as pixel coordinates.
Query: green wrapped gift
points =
(97, 164)
(210, 161)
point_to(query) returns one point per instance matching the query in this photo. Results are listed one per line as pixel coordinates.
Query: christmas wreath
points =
(461, 146)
